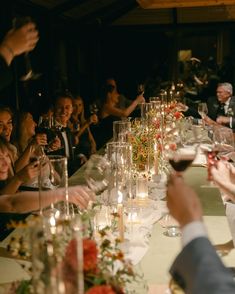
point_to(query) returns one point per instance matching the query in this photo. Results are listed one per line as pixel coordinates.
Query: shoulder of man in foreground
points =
(198, 269)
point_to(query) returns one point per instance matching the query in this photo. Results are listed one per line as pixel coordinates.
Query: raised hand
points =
(224, 176)
(40, 139)
(55, 145)
(23, 39)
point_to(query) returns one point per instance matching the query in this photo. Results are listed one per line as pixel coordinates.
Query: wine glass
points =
(180, 156)
(46, 126)
(93, 108)
(29, 74)
(223, 141)
(140, 89)
(97, 174)
(202, 109)
(222, 146)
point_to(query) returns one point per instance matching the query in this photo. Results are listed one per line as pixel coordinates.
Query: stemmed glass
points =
(223, 144)
(202, 109)
(46, 125)
(97, 174)
(93, 108)
(223, 141)
(29, 74)
(140, 89)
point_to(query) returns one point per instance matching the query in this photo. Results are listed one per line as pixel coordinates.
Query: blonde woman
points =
(81, 128)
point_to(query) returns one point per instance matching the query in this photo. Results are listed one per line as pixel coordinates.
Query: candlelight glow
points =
(120, 197)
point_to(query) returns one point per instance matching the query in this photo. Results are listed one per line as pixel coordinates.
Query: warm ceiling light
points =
(154, 4)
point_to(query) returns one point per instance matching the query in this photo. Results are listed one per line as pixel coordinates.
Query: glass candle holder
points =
(141, 188)
(57, 255)
(121, 130)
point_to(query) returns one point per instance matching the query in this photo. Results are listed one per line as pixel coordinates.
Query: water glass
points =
(120, 157)
(172, 226)
(141, 188)
(53, 175)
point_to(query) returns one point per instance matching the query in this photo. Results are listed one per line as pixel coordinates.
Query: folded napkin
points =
(11, 270)
(230, 213)
(200, 160)
(138, 233)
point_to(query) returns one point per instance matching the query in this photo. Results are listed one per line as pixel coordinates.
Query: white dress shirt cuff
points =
(231, 122)
(192, 231)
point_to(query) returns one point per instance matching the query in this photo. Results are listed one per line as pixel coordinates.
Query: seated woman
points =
(12, 206)
(28, 143)
(80, 127)
(10, 183)
(6, 127)
(111, 112)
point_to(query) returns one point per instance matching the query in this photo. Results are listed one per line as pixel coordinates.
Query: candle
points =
(120, 219)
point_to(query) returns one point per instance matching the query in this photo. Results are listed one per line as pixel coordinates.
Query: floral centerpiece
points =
(147, 139)
(105, 269)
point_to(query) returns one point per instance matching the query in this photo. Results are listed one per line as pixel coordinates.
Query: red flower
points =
(89, 255)
(177, 114)
(102, 289)
(158, 136)
(172, 146)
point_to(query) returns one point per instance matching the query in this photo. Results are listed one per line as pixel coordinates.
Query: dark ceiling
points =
(129, 12)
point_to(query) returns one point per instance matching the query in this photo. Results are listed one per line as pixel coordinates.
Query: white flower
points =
(230, 112)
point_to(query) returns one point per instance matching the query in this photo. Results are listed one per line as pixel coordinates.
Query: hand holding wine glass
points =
(46, 126)
(22, 38)
(180, 158)
(25, 25)
(182, 201)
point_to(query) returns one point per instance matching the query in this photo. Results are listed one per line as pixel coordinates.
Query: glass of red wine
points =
(47, 126)
(180, 157)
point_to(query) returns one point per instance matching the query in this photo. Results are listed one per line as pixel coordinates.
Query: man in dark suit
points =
(221, 109)
(63, 110)
(198, 268)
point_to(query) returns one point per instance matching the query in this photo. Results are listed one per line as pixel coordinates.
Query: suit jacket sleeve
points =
(198, 269)
(5, 74)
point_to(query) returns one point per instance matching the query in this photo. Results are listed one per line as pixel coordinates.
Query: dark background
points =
(79, 53)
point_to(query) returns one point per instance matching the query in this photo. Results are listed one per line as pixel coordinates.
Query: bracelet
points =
(9, 49)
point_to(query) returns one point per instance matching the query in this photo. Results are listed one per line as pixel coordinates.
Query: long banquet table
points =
(162, 249)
